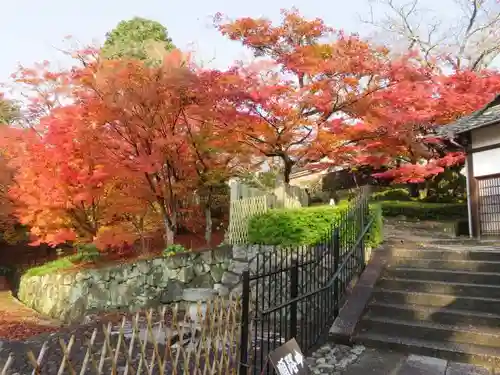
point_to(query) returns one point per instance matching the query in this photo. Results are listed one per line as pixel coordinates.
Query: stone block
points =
(185, 274)
(172, 293)
(216, 271)
(202, 281)
(240, 252)
(158, 262)
(158, 277)
(198, 294)
(252, 251)
(207, 257)
(81, 276)
(68, 279)
(230, 279)
(222, 253)
(221, 290)
(143, 266)
(179, 261)
(201, 268)
(238, 267)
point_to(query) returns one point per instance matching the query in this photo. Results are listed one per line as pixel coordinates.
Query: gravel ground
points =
(333, 359)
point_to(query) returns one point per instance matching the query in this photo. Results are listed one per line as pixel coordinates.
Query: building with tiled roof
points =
(479, 133)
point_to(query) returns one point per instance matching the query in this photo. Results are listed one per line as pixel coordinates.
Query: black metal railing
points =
(296, 292)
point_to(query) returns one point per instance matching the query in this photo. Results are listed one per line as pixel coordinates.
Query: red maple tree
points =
(332, 99)
(302, 108)
(60, 180)
(117, 149)
(160, 126)
(402, 121)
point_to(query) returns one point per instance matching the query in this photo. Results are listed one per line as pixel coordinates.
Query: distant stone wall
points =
(146, 283)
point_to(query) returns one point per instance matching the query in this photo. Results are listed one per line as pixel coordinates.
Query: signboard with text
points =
(289, 360)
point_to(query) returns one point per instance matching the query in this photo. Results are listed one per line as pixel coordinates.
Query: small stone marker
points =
(289, 360)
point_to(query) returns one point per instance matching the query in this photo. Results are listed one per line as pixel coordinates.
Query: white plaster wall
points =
(486, 162)
(486, 136)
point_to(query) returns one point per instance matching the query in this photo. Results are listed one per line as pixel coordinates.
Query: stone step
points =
(440, 264)
(428, 274)
(486, 254)
(479, 304)
(440, 287)
(424, 330)
(485, 356)
(435, 314)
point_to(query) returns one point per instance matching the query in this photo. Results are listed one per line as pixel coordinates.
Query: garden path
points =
(17, 322)
(334, 359)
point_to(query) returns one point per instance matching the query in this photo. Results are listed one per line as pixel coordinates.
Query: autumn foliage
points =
(315, 84)
(122, 159)
(115, 149)
(324, 98)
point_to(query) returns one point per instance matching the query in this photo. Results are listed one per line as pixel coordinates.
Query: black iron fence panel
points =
(297, 291)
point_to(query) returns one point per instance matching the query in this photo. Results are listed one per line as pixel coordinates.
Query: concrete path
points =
(376, 362)
(334, 359)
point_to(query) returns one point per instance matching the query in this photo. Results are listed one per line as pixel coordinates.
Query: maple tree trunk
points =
(169, 223)
(143, 243)
(169, 233)
(208, 218)
(139, 228)
(208, 225)
(287, 171)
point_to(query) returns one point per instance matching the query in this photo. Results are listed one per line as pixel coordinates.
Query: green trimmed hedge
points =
(398, 194)
(424, 210)
(305, 226)
(376, 233)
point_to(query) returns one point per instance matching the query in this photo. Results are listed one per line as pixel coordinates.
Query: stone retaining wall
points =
(71, 296)
(149, 283)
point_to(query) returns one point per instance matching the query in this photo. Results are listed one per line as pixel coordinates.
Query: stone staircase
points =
(438, 299)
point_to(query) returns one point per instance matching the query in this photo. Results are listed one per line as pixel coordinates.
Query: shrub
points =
(85, 253)
(376, 233)
(305, 226)
(398, 194)
(301, 226)
(449, 186)
(424, 211)
(443, 199)
(53, 266)
(174, 249)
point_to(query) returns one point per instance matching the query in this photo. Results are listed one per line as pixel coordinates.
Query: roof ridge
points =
(473, 120)
(491, 104)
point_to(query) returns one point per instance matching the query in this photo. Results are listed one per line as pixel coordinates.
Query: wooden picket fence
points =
(163, 342)
(247, 202)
